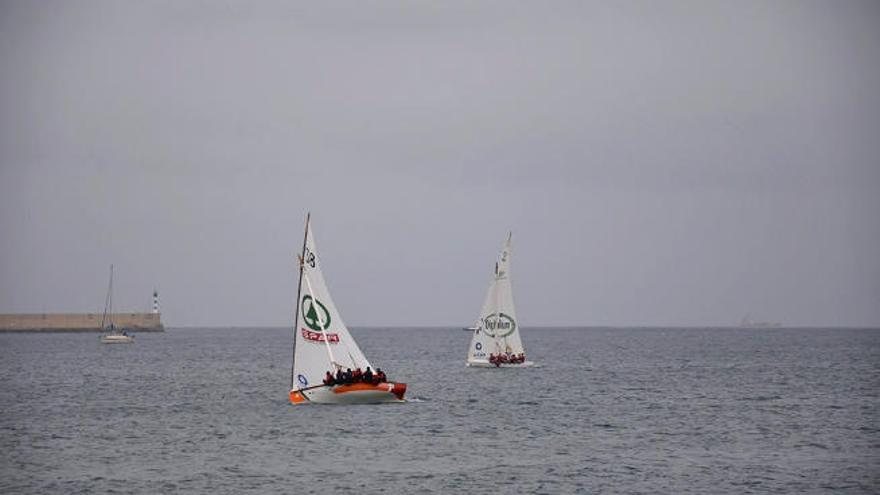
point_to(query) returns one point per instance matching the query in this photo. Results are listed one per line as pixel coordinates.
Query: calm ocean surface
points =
(610, 410)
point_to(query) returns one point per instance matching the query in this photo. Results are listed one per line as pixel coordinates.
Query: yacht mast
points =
(298, 295)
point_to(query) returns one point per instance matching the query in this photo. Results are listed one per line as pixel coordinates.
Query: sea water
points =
(608, 410)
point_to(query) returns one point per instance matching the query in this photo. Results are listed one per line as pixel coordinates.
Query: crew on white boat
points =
(348, 377)
(507, 358)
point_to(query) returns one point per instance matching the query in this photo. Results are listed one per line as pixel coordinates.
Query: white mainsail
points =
(498, 328)
(321, 340)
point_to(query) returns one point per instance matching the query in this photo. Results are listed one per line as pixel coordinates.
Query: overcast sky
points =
(659, 163)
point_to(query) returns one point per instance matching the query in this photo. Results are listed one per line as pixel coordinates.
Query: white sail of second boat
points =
(496, 341)
(323, 343)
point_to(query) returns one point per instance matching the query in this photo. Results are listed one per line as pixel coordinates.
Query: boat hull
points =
(117, 339)
(487, 364)
(356, 393)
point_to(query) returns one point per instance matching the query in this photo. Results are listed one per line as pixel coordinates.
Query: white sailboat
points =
(496, 341)
(323, 343)
(114, 334)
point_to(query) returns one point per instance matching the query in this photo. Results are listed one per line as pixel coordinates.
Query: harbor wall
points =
(78, 322)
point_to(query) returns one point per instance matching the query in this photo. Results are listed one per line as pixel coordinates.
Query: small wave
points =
(813, 444)
(605, 425)
(426, 476)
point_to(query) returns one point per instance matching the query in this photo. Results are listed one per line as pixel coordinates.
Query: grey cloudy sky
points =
(676, 162)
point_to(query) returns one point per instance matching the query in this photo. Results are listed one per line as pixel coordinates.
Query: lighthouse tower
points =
(155, 302)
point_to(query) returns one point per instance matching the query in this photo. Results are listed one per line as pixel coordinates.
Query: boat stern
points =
(398, 389)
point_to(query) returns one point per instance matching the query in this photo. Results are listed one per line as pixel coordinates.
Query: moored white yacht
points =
(114, 334)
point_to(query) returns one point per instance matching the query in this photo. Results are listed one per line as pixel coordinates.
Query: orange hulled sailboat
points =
(325, 356)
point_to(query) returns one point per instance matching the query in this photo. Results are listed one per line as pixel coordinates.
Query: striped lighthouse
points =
(155, 302)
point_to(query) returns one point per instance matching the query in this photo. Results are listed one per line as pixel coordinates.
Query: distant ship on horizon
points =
(748, 322)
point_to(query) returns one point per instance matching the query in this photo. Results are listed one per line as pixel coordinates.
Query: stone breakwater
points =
(78, 322)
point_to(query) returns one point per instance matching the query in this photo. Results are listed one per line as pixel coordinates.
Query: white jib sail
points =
(323, 342)
(498, 328)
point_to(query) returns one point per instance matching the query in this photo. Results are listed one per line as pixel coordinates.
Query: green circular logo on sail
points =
(498, 325)
(314, 320)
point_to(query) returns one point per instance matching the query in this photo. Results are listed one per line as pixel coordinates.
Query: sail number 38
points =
(309, 258)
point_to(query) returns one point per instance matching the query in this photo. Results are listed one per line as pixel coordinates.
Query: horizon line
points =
(459, 327)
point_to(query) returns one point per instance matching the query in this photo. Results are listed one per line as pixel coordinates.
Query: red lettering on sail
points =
(319, 336)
